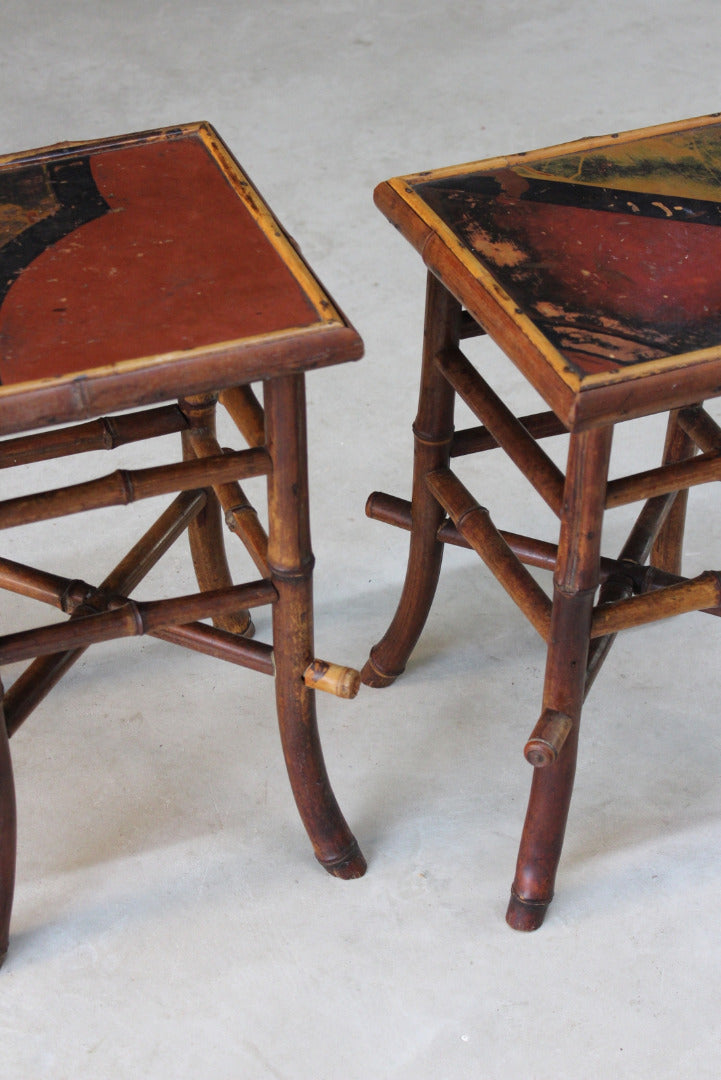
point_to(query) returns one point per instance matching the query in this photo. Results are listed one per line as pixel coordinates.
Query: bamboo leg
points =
(291, 567)
(8, 835)
(575, 581)
(205, 533)
(433, 431)
(667, 550)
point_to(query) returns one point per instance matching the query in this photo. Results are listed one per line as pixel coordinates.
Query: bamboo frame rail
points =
(132, 618)
(42, 674)
(197, 636)
(222, 645)
(36, 584)
(125, 486)
(241, 516)
(664, 480)
(79, 599)
(392, 510)
(205, 534)
(105, 433)
(468, 327)
(630, 575)
(700, 427)
(474, 523)
(246, 411)
(505, 428)
(476, 440)
(666, 552)
(67, 593)
(696, 594)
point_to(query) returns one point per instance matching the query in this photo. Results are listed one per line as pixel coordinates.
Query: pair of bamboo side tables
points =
(144, 277)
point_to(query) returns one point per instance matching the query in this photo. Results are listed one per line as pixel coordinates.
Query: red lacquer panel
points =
(133, 251)
(613, 252)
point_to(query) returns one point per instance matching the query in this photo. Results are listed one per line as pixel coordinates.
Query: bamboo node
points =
(135, 612)
(127, 486)
(547, 738)
(427, 439)
(293, 573)
(230, 513)
(110, 434)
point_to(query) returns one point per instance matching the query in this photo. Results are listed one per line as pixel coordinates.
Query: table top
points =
(138, 268)
(594, 264)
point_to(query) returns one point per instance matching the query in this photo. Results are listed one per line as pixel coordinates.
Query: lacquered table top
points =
(598, 259)
(149, 252)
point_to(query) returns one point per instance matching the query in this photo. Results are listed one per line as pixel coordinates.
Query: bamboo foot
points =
(526, 915)
(373, 676)
(350, 865)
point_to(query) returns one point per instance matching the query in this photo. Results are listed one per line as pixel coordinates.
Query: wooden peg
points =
(547, 738)
(344, 682)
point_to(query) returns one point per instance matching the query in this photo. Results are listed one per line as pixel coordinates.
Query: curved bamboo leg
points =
(433, 432)
(8, 835)
(291, 567)
(205, 532)
(575, 582)
(667, 551)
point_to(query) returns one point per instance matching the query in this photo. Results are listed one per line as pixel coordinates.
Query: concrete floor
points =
(170, 920)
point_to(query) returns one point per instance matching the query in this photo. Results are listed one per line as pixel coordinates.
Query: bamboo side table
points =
(146, 271)
(594, 266)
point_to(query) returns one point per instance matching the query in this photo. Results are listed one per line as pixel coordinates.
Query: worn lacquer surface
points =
(132, 250)
(611, 250)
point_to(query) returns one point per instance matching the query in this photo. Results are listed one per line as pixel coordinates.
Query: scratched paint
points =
(25, 202)
(613, 252)
(135, 251)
